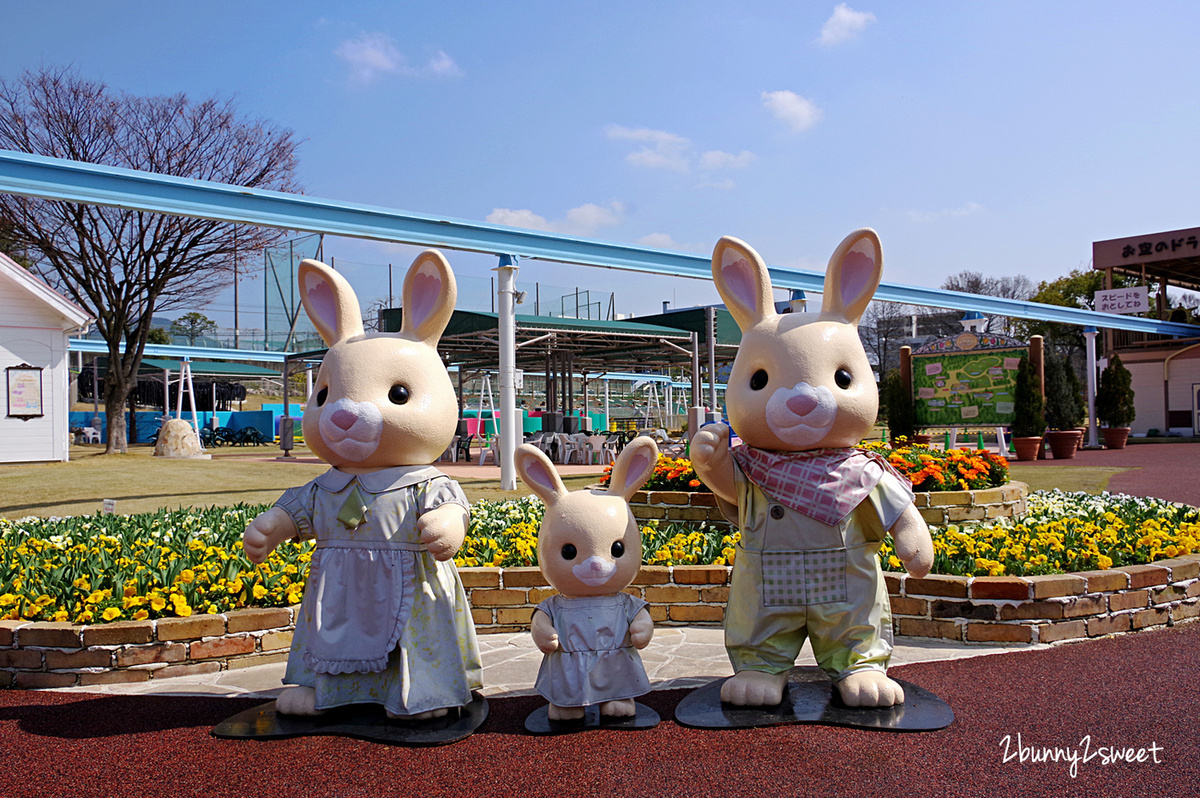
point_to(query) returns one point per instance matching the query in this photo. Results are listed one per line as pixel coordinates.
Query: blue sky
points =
(1002, 137)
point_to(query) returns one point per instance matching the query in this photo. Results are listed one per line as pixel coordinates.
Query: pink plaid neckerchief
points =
(823, 484)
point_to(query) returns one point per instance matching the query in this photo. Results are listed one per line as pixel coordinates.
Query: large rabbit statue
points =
(812, 508)
(590, 549)
(384, 618)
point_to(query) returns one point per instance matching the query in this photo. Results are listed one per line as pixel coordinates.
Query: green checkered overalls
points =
(795, 577)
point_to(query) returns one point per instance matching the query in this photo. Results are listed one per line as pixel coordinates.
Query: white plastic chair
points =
(91, 435)
(599, 451)
(492, 451)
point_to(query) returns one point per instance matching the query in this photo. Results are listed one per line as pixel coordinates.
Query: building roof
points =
(231, 371)
(39, 289)
(470, 341)
(1174, 254)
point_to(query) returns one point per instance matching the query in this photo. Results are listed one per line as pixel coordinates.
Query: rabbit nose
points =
(802, 404)
(343, 418)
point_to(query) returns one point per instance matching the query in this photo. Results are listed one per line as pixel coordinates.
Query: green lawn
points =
(141, 483)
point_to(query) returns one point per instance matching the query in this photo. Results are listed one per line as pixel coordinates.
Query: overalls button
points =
(777, 511)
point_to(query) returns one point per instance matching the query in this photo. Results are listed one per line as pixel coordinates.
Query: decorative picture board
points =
(24, 389)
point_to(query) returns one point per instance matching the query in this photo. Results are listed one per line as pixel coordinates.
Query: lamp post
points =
(1090, 334)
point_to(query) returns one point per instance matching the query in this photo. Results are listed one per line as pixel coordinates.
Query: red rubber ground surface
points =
(1168, 471)
(1136, 691)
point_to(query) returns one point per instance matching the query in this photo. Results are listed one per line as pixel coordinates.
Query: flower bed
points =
(104, 568)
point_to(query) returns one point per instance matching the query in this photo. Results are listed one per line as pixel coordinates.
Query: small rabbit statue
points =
(590, 549)
(384, 619)
(813, 509)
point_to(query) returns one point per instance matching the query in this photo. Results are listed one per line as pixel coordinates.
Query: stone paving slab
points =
(677, 657)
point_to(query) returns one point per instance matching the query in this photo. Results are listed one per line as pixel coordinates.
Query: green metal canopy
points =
(471, 340)
(230, 371)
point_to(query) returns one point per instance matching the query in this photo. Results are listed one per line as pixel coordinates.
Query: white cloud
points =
(659, 241)
(372, 55)
(443, 65)
(666, 150)
(716, 159)
(797, 112)
(663, 151)
(584, 220)
(722, 185)
(948, 213)
(845, 24)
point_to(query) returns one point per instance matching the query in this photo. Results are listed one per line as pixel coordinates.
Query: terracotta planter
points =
(1027, 448)
(1063, 443)
(921, 439)
(1115, 437)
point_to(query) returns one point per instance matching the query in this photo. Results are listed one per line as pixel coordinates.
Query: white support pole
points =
(505, 286)
(1090, 333)
(607, 412)
(192, 397)
(308, 382)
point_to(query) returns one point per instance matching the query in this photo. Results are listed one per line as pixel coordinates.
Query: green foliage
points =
(897, 404)
(1064, 404)
(1076, 290)
(158, 335)
(193, 325)
(1114, 396)
(1028, 421)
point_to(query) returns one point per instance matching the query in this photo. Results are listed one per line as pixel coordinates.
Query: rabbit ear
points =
(329, 301)
(852, 276)
(743, 282)
(633, 467)
(429, 296)
(538, 473)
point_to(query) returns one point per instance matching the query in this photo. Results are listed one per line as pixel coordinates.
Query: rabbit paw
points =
(713, 462)
(443, 530)
(870, 689)
(754, 689)
(565, 713)
(619, 709)
(298, 701)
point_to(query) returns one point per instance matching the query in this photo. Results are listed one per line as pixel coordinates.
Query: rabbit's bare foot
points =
(870, 689)
(619, 709)
(298, 701)
(433, 713)
(565, 713)
(754, 689)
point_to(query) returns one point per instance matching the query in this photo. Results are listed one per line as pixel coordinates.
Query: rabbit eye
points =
(618, 548)
(758, 380)
(569, 552)
(398, 395)
(322, 395)
(842, 378)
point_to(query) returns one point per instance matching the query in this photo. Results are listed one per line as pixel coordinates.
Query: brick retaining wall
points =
(943, 507)
(677, 505)
(1035, 609)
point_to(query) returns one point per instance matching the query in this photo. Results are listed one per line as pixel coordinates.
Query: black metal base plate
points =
(539, 721)
(811, 698)
(364, 721)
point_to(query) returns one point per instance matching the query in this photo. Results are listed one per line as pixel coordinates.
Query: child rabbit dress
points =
(382, 621)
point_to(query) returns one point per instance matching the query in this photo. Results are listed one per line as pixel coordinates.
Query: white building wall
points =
(32, 333)
(1147, 395)
(1148, 390)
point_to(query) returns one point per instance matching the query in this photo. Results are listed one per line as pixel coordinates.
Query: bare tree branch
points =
(124, 265)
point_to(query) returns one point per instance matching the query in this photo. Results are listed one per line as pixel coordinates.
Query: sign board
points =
(966, 380)
(1135, 299)
(1149, 248)
(24, 391)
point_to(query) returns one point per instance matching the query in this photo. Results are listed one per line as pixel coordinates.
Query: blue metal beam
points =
(93, 345)
(73, 181)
